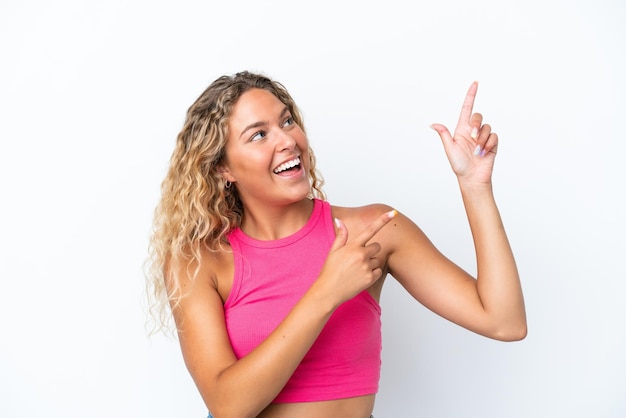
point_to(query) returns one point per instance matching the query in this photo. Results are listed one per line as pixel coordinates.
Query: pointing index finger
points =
(468, 104)
(375, 226)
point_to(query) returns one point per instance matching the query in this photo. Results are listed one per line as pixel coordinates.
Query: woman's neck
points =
(275, 222)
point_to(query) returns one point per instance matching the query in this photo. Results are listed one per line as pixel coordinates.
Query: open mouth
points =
(291, 165)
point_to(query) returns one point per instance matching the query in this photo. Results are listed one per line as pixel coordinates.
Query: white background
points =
(92, 95)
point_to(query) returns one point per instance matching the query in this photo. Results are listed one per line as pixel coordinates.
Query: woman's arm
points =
(492, 304)
(244, 387)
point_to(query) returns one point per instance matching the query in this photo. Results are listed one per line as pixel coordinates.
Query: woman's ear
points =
(225, 172)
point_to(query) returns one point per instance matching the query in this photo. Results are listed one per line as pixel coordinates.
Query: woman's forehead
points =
(254, 106)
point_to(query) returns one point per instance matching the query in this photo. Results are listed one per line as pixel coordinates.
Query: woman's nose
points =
(285, 141)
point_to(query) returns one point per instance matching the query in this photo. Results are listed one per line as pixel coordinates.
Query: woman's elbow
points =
(512, 333)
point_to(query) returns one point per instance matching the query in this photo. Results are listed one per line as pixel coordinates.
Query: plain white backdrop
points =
(92, 95)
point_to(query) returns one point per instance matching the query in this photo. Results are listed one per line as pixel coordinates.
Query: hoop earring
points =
(227, 184)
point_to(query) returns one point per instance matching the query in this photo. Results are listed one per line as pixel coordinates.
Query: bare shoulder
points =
(212, 271)
(217, 269)
(222, 267)
(360, 216)
(398, 232)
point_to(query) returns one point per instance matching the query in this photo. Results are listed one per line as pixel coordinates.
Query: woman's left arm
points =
(491, 304)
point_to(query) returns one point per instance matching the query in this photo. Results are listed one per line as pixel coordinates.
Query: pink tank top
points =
(270, 278)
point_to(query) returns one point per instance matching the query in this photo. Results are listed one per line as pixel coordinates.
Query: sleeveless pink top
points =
(270, 277)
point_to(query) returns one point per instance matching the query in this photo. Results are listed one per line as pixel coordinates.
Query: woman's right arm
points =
(241, 388)
(244, 387)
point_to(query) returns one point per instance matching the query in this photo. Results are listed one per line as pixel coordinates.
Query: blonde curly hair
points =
(197, 208)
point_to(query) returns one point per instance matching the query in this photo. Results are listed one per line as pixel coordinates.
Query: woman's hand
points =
(353, 266)
(472, 149)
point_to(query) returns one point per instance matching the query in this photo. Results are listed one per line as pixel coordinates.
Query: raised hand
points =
(352, 266)
(472, 149)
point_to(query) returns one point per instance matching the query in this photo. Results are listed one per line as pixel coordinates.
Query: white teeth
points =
(287, 165)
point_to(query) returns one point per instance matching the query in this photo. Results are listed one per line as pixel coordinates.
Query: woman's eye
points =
(289, 121)
(257, 136)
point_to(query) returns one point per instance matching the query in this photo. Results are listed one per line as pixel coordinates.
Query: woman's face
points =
(267, 155)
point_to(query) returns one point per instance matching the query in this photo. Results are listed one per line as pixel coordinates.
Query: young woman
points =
(274, 292)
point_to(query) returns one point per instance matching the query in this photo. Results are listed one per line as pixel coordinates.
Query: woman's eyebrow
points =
(258, 124)
(252, 126)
